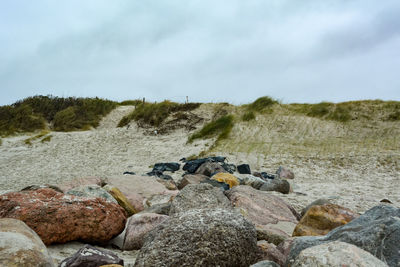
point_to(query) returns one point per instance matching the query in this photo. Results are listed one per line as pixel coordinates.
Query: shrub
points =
(33, 113)
(131, 102)
(248, 116)
(221, 126)
(154, 114)
(341, 114)
(261, 103)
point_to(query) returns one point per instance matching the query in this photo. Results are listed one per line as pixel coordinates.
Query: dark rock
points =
(89, 256)
(265, 175)
(199, 196)
(209, 169)
(221, 185)
(386, 201)
(191, 179)
(159, 175)
(277, 185)
(170, 166)
(244, 169)
(231, 168)
(376, 231)
(192, 165)
(130, 173)
(201, 237)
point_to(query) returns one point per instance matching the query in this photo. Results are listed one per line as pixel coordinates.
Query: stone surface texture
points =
(269, 252)
(121, 199)
(138, 226)
(278, 185)
(191, 179)
(210, 168)
(320, 220)
(201, 237)
(89, 256)
(59, 218)
(337, 254)
(376, 231)
(227, 178)
(21, 246)
(199, 196)
(91, 191)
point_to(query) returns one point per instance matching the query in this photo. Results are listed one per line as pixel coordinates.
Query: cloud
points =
(208, 50)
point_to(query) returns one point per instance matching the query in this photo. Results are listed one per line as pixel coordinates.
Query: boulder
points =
(269, 252)
(321, 201)
(76, 182)
(162, 209)
(336, 254)
(264, 175)
(170, 166)
(284, 173)
(89, 256)
(192, 165)
(209, 169)
(21, 246)
(191, 179)
(265, 211)
(138, 189)
(265, 264)
(272, 234)
(231, 168)
(59, 218)
(201, 237)
(226, 178)
(138, 226)
(277, 185)
(199, 196)
(91, 191)
(221, 185)
(244, 169)
(252, 181)
(320, 220)
(376, 231)
(121, 199)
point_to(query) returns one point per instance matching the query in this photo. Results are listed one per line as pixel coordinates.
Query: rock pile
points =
(215, 214)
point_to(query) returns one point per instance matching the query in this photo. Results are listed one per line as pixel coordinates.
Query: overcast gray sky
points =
(209, 50)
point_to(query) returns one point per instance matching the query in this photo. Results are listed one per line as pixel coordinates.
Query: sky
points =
(209, 50)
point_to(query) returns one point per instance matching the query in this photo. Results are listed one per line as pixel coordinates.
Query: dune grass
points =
(60, 114)
(135, 102)
(248, 116)
(260, 104)
(154, 114)
(42, 133)
(221, 127)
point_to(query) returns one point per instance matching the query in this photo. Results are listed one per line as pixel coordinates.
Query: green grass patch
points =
(221, 127)
(321, 109)
(62, 114)
(154, 114)
(29, 140)
(261, 104)
(248, 116)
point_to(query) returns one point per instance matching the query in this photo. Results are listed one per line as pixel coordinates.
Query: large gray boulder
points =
(278, 185)
(376, 231)
(336, 254)
(21, 246)
(201, 237)
(199, 196)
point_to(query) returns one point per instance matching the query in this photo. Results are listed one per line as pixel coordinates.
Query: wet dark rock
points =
(376, 231)
(89, 256)
(244, 169)
(159, 175)
(221, 185)
(170, 167)
(192, 165)
(264, 175)
(231, 168)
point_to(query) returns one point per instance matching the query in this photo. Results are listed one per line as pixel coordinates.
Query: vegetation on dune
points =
(221, 126)
(130, 102)
(61, 114)
(29, 140)
(248, 116)
(153, 114)
(261, 104)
